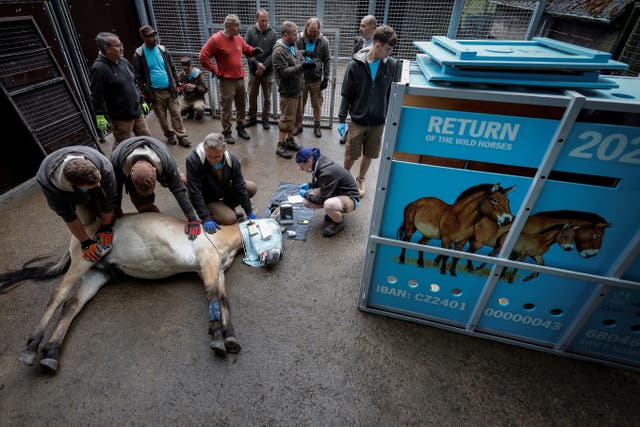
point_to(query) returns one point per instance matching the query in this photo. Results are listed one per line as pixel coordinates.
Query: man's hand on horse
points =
(210, 226)
(193, 229)
(104, 235)
(92, 251)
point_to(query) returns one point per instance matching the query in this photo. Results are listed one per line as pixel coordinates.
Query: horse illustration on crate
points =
(453, 224)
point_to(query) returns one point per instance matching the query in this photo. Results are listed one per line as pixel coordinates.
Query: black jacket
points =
(287, 69)
(113, 89)
(265, 40)
(63, 197)
(332, 180)
(167, 170)
(363, 98)
(143, 79)
(321, 57)
(205, 188)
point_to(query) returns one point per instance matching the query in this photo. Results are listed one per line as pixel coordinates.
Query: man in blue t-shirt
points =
(156, 77)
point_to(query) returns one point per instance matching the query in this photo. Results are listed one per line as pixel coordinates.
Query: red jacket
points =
(228, 55)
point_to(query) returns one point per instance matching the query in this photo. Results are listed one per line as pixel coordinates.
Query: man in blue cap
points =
(332, 187)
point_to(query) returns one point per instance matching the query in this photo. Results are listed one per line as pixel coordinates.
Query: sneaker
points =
(343, 140)
(297, 131)
(250, 122)
(282, 151)
(198, 115)
(292, 144)
(333, 228)
(184, 142)
(265, 124)
(360, 182)
(229, 139)
(172, 140)
(316, 130)
(243, 133)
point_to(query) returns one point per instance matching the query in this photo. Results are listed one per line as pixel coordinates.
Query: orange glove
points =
(104, 235)
(91, 251)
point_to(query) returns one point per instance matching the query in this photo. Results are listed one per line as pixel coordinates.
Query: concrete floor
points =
(138, 354)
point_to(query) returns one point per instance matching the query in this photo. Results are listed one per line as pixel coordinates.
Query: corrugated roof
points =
(591, 10)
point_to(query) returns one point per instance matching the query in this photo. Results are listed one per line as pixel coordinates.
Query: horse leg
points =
(423, 241)
(59, 295)
(454, 261)
(91, 282)
(540, 261)
(219, 317)
(402, 254)
(231, 343)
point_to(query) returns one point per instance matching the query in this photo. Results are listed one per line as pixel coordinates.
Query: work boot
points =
(292, 144)
(360, 182)
(316, 130)
(172, 140)
(265, 124)
(281, 150)
(243, 133)
(297, 131)
(229, 139)
(343, 140)
(333, 228)
(250, 122)
(184, 141)
(198, 115)
(190, 115)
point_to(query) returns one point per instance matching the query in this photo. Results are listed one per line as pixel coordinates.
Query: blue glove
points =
(342, 129)
(210, 226)
(252, 215)
(302, 192)
(304, 186)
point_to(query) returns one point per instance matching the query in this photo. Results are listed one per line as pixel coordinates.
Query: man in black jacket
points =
(332, 187)
(156, 77)
(141, 161)
(79, 185)
(260, 69)
(216, 185)
(114, 94)
(365, 95)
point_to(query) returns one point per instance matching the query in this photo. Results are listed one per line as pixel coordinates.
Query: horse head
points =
(496, 205)
(589, 238)
(270, 257)
(565, 238)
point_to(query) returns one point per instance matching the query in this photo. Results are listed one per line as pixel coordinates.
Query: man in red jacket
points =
(227, 47)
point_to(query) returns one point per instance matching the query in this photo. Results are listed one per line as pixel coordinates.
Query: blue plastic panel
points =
(406, 288)
(438, 73)
(508, 140)
(541, 309)
(613, 331)
(537, 53)
(633, 271)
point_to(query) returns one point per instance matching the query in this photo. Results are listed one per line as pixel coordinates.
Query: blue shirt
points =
(310, 47)
(157, 71)
(373, 66)
(291, 49)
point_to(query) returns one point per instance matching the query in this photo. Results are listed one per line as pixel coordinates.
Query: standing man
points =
(365, 39)
(315, 48)
(365, 95)
(114, 93)
(288, 67)
(227, 47)
(80, 186)
(139, 163)
(331, 187)
(156, 77)
(216, 184)
(260, 69)
(194, 86)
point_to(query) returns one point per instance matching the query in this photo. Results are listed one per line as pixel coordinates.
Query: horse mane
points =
(486, 188)
(569, 215)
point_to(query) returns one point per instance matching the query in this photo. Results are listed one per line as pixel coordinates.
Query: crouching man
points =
(332, 187)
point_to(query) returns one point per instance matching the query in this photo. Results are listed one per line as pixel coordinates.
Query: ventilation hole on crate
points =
(392, 280)
(413, 283)
(503, 301)
(635, 328)
(609, 322)
(556, 312)
(528, 306)
(456, 292)
(434, 287)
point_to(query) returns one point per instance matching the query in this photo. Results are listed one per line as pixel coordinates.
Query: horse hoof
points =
(453, 274)
(232, 345)
(218, 347)
(421, 265)
(49, 366)
(27, 357)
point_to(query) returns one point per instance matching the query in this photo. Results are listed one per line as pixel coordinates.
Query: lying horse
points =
(146, 246)
(453, 224)
(536, 245)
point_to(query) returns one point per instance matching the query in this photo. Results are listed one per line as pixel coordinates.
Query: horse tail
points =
(49, 270)
(409, 212)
